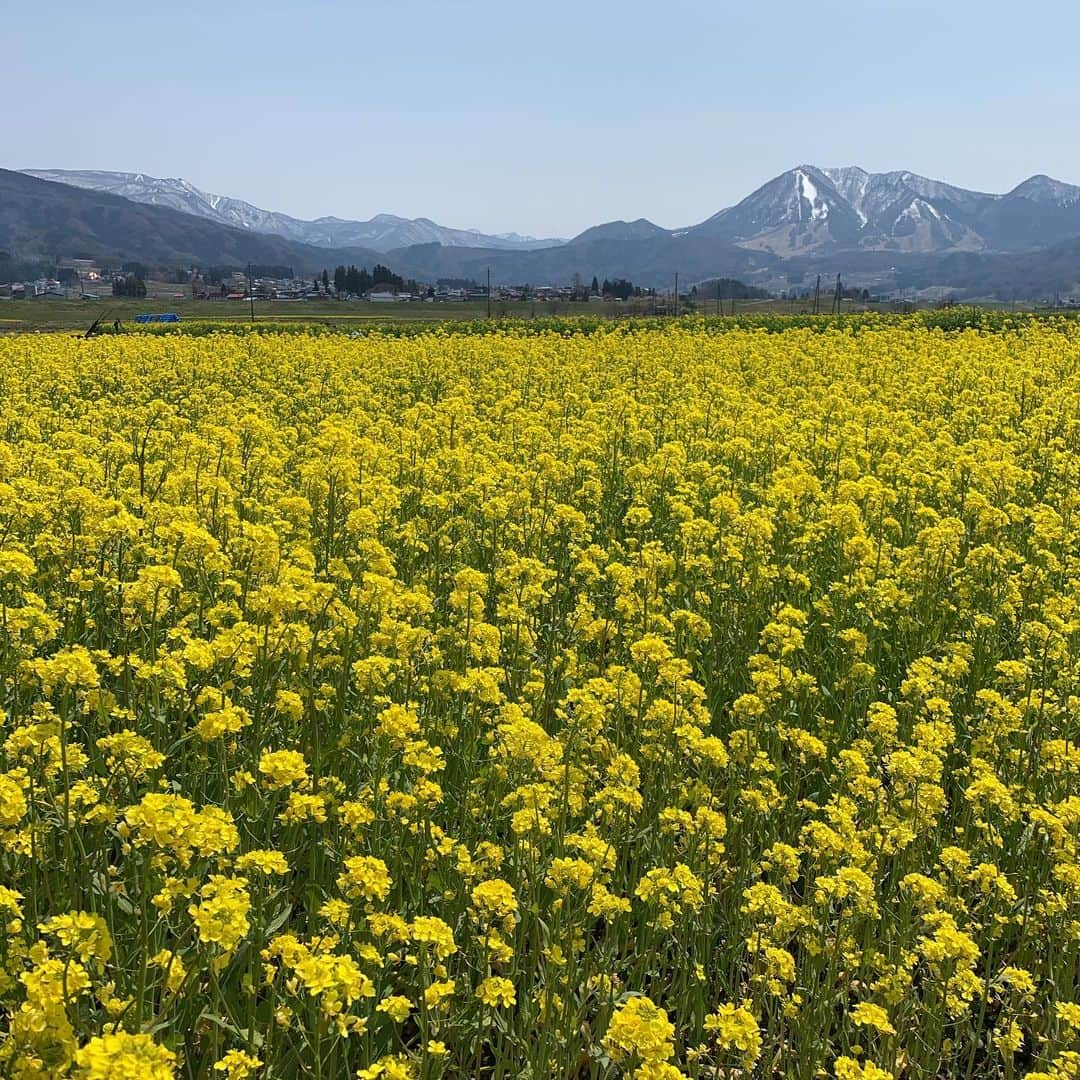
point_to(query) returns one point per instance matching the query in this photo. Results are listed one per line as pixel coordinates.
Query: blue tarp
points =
(167, 316)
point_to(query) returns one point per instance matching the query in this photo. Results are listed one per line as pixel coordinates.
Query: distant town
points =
(88, 279)
(91, 280)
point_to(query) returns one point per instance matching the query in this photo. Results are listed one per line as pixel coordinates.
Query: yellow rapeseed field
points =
(641, 703)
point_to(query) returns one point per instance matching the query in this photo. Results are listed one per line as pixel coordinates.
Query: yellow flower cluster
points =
(678, 701)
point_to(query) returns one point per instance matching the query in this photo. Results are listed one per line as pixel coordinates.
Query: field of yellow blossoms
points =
(643, 703)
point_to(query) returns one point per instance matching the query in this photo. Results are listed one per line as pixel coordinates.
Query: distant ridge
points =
(383, 232)
(803, 211)
(43, 220)
(892, 232)
(812, 209)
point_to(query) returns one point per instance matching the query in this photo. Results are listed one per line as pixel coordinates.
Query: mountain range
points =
(42, 221)
(808, 209)
(383, 232)
(886, 230)
(804, 209)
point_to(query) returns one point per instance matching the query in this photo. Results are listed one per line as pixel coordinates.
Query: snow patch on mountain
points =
(819, 209)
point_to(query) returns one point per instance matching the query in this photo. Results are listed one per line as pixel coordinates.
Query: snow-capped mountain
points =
(798, 211)
(811, 209)
(383, 232)
(1045, 189)
(1039, 212)
(906, 212)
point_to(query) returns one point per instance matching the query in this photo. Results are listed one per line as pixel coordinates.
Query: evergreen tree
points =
(383, 275)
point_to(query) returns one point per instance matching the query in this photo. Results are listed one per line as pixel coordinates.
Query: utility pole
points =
(719, 302)
(836, 299)
(676, 294)
(251, 292)
(489, 291)
(817, 293)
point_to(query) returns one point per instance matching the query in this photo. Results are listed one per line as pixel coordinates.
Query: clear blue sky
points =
(543, 117)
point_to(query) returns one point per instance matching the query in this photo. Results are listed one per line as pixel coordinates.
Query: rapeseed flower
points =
(417, 702)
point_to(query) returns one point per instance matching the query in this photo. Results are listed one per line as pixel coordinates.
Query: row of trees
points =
(728, 289)
(129, 285)
(620, 289)
(616, 289)
(349, 279)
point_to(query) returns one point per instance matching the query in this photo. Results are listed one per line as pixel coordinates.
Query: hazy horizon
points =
(542, 124)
